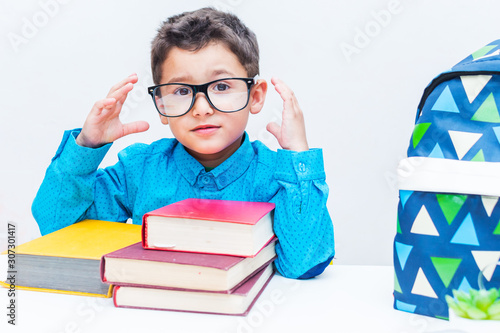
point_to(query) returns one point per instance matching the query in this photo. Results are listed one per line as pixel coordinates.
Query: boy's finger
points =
(285, 92)
(121, 94)
(274, 129)
(280, 86)
(135, 127)
(130, 79)
(102, 104)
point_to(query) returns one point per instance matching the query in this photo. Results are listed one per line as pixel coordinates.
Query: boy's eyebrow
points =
(222, 71)
(179, 79)
(188, 78)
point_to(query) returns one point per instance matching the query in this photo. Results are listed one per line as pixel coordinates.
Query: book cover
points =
(184, 270)
(209, 226)
(88, 239)
(244, 212)
(67, 261)
(238, 303)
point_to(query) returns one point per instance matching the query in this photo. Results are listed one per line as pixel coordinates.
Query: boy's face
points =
(209, 135)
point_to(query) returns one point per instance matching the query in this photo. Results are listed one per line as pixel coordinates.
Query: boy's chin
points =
(215, 151)
(202, 149)
(206, 151)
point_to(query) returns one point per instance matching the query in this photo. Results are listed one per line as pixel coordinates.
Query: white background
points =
(58, 57)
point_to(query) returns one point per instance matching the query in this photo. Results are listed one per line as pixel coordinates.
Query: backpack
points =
(448, 227)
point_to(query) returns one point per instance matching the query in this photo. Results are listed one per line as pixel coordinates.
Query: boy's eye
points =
(220, 86)
(183, 91)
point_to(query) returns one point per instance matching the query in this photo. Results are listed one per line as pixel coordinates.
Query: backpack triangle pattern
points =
(437, 152)
(497, 229)
(488, 111)
(407, 307)
(482, 51)
(479, 157)
(418, 133)
(446, 102)
(489, 204)
(422, 286)
(404, 195)
(484, 259)
(450, 205)
(446, 268)
(463, 141)
(397, 287)
(464, 285)
(423, 224)
(403, 252)
(496, 53)
(496, 130)
(474, 84)
(466, 233)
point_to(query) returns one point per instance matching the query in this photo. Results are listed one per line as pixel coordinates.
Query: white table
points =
(342, 299)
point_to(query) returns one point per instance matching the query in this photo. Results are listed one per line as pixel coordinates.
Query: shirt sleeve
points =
(302, 222)
(73, 183)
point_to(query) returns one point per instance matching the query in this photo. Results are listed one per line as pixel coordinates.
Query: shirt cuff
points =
(78, 160)
(295, 166)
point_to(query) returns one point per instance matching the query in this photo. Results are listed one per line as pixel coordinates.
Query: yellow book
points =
(68, 260)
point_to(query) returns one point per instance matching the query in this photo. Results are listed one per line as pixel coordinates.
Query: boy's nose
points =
(201, 106)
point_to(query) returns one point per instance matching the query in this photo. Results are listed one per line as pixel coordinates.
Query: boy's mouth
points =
(205, 129)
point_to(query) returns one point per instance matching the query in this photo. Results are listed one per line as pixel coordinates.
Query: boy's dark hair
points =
(194, 30)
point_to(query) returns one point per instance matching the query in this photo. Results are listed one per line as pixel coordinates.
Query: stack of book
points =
(197, 255)
(67, 261)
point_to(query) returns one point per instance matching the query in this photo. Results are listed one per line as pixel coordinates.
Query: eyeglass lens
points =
(226, 95)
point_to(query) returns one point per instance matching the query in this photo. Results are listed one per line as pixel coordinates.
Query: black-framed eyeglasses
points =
(225, 95)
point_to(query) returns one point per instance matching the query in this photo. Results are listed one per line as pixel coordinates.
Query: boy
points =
(204, 63)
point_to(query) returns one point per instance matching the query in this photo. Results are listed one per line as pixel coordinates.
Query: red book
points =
(238, 228)
(239, 302)
(134, 265)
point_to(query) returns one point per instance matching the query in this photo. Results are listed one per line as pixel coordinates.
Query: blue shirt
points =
(147, 177)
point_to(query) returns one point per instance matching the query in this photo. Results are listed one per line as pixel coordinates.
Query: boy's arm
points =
(72, 183)
(302, 221)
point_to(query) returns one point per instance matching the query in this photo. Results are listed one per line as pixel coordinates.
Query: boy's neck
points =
(211, 161)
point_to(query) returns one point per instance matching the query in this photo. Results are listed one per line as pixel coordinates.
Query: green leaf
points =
(483, 299)
(475, 304)
(494, 294)
(462, 296)
(494, 309)
(453, 305)
(475, 313)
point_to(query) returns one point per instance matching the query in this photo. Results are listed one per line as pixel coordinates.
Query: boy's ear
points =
(164, 120)
(258, 96)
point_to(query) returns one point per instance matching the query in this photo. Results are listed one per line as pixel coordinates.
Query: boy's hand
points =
(103, 124)
(291, 134)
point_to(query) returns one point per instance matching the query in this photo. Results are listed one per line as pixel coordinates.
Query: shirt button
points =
(222, 180)
(205, 180)
(302, 167)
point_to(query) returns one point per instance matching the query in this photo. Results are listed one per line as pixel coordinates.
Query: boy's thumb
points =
(274, 129)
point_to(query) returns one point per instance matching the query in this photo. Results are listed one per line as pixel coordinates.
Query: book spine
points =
(115, 290)
(101, 269)
(144, 231)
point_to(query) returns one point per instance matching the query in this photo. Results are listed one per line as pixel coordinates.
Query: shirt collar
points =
(224, 174)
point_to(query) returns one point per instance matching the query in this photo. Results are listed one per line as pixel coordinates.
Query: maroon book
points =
(239, 302)
(134, 265)
(238, 228)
